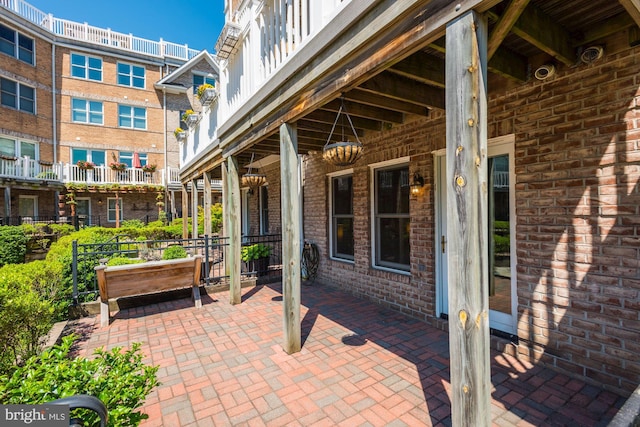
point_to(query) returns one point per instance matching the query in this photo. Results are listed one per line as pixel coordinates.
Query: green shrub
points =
(132, 223)
(13, 245)
(502, 244)
(62, 229)
(120, 260)
(25, 317)
(255, 251)
(118, 378)
(174, 252)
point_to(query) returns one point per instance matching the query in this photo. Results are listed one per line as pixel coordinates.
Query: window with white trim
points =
(17, 95)
(131, 75)
(16, 148)
(127, 157)
(391, 219)
(17, 45)
(97, 157)
(28, 206)
(85, 111)
(111, 209)
(132, 117)
(264, 209)
(341, 227)
(199, 79)
(86, 67)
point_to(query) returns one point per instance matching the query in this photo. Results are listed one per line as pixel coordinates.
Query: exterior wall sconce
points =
(416, 184)
(99, 202)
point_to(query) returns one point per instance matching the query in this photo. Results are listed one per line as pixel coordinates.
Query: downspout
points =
(53, 106)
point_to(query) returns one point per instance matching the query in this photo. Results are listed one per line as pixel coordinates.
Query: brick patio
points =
(360, 365)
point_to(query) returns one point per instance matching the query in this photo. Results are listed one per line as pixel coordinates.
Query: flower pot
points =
(192, 119)
(208, 96)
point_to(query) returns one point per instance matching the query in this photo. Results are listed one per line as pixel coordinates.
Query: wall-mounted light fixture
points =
(99, 202)
(416, 184)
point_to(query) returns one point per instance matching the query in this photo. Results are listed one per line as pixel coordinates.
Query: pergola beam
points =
(633, 8)
(504, 25)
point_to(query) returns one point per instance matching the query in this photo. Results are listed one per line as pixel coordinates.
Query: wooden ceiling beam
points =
(542, 31)
(365, 111)
(382, 101)
(504, 25)
(320, 127)
(422, 67)
(330, 117)
(509, 64)
(402, 88)
(633, 8)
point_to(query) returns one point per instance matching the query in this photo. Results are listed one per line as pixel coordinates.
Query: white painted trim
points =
(330, 177)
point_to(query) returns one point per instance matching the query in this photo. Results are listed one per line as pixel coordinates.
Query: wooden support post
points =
(194, 208)
(206, 177)
(185, 212)
(291, 208)
(233, 230)
(466, 123)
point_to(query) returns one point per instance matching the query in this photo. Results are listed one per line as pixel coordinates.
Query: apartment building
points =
(84, 129)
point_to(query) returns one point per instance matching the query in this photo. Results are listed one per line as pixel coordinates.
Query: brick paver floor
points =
(360, 365)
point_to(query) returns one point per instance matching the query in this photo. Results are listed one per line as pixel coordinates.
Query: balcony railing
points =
(24, 168)
(96, 35)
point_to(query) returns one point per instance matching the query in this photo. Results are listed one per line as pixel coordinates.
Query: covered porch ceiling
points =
(523, 35)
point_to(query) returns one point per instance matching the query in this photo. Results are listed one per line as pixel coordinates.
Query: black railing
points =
(213, 249)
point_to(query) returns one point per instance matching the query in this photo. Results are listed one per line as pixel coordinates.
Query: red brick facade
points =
(577, 193)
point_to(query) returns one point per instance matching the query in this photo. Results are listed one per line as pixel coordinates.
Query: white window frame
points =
(262, 209)
(17, 147)
(127, 157)
(17, 35)
(87, 111)
(206, 78)
(332, 230)
(112, 211)
(18, 96)
(131, 115)
(35, 204)
(130, 76)
(86, 66)
(372, 170)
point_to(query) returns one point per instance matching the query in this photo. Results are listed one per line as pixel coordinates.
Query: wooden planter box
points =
(208, 96)
(147, 278)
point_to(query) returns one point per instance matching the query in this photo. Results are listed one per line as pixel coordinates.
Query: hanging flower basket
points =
(84, 165)
(118, 166)
(343, 153)
(149, 168)
(253, 180)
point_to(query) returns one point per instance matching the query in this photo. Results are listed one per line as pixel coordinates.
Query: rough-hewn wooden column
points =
(206, 178)
(231, 180)
(185, 212)
(466, 116)
(194, 208)
(291, 208)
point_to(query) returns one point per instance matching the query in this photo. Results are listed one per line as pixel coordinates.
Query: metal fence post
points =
(206, 259)
(74, 270)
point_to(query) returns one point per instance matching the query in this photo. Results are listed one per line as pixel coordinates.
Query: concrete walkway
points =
(360, 365)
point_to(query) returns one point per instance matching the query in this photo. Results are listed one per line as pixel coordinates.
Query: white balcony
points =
(95, 35)
(26, 169)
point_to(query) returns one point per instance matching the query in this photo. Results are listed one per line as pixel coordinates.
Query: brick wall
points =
(577, 191)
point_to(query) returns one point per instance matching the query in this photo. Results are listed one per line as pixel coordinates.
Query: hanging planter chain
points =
(342, 153)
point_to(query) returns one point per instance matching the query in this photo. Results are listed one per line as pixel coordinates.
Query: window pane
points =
(393, 247)
(79, 116)
(98, 157)
(77, 71)
(342, 195)
(28, 149)
(95, 63)
(343, 238)
(138, 82)
(78, 154)
(7, 40)
(95, 75)
(138, 71)
(7, 147)
(78, 60)
(9, 91)
(27, 98)
(25, 52)
(392, 187)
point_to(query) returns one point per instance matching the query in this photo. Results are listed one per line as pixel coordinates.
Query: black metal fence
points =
(212, 248)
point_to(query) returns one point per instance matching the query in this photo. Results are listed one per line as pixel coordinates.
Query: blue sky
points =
(195, 22)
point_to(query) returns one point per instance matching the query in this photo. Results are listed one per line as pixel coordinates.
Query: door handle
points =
(443, 243)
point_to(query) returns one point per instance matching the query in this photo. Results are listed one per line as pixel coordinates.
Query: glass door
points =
(501, 250)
